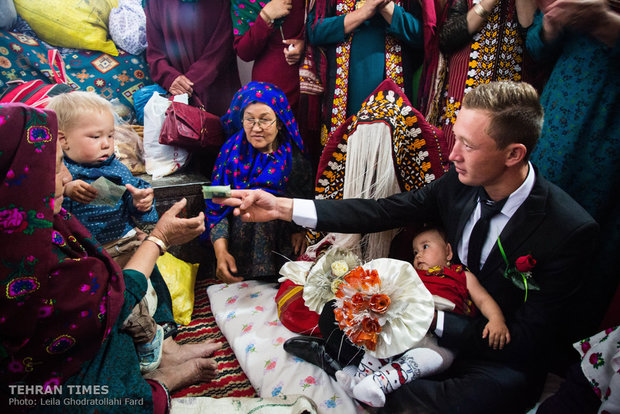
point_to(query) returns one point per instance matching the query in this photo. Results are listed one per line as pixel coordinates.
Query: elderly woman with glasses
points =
(265, 150)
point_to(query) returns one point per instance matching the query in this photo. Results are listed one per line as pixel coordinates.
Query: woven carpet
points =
(231, 381)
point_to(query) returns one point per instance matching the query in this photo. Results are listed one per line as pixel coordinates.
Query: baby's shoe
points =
(149, 353)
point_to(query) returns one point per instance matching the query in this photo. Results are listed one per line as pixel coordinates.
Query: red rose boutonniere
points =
(525, 263)
(520, 274)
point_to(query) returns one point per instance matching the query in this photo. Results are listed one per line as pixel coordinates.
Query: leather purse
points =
(191, 127)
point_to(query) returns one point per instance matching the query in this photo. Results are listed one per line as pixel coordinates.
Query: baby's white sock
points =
(414, 364)
(346, 378)
(350, 376)
(367, 366)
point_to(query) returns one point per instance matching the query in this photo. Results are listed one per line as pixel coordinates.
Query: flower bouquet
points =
(327, 271)
(384, 307)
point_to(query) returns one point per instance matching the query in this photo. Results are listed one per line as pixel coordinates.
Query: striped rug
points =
(231, 380)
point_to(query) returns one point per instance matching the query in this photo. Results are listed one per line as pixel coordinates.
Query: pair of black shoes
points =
(312, 350)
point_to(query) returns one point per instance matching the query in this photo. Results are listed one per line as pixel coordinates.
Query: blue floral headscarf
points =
(242, 166)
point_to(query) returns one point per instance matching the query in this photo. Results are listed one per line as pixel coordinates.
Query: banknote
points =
(108, 193)
(215, 191)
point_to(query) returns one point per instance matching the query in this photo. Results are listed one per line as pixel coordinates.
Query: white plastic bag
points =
(160, 160)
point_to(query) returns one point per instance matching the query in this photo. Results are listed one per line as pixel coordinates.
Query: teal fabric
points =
(579, 148)
(113, 77)
(367, 60)
(116, 365)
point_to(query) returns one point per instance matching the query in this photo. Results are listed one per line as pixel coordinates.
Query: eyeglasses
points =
(263, 123)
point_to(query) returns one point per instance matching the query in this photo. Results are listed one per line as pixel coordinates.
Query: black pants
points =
(469, 386)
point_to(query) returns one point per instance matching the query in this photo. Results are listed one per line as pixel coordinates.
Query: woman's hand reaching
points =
(299, 242)
(173, 230)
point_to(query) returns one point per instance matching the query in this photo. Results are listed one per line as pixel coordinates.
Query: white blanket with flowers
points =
(247, 315)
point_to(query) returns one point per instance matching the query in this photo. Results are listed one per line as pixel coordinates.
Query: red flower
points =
(13, 220)
(585, 346)
(525, 263)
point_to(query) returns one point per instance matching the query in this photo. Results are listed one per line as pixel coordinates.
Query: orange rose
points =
(353, 278)
(361, 338)
(380, 303)
(338, 314)
(370, 279)
(354, 335)
(370, 325)
(366, 339)
(340, 293)
(359, 301)
(371, 344)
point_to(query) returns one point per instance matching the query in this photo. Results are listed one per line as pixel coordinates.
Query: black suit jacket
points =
(549, 225)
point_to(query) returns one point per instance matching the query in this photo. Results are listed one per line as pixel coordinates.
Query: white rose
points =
(339, 268)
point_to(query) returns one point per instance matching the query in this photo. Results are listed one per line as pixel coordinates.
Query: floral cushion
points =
(247, 316)
(24, 57)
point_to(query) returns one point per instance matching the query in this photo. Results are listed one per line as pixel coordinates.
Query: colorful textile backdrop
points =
(112, 77)
(494, 53)
(389, 132)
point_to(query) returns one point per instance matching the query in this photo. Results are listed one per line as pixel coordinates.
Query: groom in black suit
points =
(496, 130)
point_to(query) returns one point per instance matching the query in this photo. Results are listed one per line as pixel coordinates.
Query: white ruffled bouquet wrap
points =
(384, 307)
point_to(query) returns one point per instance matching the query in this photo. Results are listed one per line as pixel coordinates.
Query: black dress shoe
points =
(312, 350)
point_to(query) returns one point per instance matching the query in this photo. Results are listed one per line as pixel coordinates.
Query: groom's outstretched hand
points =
(258, 205)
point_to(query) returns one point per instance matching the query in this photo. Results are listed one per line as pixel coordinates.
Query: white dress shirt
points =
(304, 214)
(498, 222)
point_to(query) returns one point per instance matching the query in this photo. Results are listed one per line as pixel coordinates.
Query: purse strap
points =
(55, 61)
(195, 101)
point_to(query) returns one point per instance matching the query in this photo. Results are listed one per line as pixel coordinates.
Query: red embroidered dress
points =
(450, 283)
